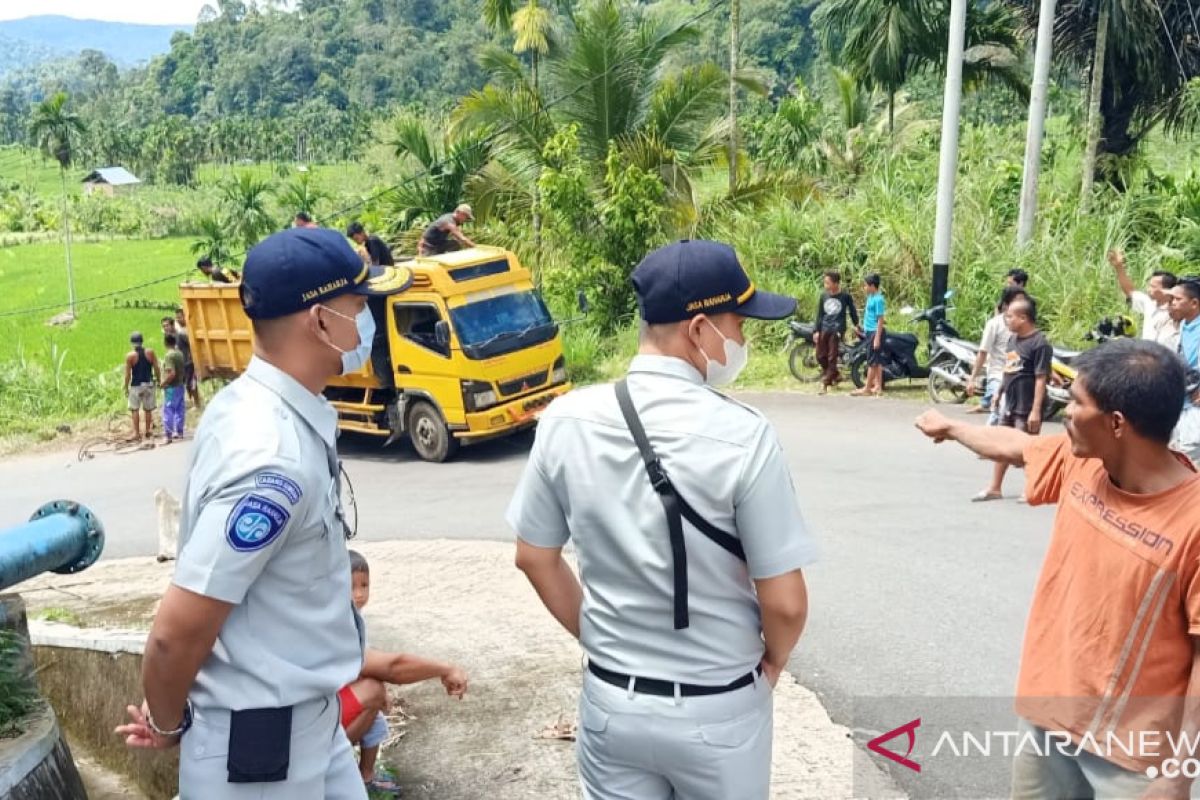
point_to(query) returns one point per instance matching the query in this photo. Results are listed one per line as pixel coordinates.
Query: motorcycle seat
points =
(903, 338)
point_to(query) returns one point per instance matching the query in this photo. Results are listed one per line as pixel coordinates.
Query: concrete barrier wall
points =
(36, 765)
(90, 676)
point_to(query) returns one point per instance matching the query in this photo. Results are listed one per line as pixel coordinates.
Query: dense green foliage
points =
(586, 133)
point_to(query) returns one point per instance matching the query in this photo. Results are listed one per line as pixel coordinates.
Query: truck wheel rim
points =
(425, 432)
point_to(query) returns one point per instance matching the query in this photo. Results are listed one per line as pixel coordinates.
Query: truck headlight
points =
(559, 373)
(478, 396)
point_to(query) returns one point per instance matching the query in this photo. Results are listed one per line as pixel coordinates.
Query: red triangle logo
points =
(909, 728)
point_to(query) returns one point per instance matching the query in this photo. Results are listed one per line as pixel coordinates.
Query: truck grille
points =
(524, 384)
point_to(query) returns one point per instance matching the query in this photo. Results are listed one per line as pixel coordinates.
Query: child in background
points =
(365, 701)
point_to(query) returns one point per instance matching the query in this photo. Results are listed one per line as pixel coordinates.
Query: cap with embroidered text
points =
(297, 268)
(691, 277)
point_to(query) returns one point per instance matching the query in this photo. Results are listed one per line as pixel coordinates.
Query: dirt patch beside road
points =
(464, 602)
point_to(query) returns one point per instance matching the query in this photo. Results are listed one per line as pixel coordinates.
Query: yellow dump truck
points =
(468, 352)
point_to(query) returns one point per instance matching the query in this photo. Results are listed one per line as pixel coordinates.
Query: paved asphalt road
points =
(919, 592)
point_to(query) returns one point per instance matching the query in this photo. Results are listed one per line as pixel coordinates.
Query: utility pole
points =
(1037, 122)
(948, 165)
(735, 23)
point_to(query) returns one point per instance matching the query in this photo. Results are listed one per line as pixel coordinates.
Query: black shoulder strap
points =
(675, 507)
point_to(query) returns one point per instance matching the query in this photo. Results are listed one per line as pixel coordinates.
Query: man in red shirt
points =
(1110, 653)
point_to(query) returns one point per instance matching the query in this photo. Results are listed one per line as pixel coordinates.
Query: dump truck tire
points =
(430, 437)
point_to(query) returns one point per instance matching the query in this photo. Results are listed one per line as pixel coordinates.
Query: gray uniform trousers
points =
(321, 765)
(643, 747)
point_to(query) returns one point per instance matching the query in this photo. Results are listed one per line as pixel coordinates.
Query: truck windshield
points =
(503, 324)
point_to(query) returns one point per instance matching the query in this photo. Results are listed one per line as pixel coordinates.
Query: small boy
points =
(365, 700)
(830, 327)
(173, 389)
(873, 335)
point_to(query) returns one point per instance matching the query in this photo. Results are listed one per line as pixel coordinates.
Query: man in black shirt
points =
(830, 327)
(1023, 390)
(217, 274)
(377, 250)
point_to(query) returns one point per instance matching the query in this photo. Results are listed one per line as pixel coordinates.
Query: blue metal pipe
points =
(62, 537)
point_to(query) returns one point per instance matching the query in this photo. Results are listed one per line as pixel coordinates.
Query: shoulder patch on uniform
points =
(255, 522)
(280, 483)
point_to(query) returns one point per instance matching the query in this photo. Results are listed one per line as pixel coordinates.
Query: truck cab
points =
(467, 352)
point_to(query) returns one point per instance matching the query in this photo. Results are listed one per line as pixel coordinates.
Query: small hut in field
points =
(109, 181)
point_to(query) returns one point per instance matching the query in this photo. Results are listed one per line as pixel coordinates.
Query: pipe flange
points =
(94, 540)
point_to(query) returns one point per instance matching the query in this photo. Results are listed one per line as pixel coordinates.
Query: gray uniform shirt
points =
(260, 529)
(585, 482)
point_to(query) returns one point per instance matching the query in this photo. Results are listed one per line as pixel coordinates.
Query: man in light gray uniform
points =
(257, 632)
(690, 544)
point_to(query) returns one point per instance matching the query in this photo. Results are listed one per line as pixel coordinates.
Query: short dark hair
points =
(1029, 304)
(169, 340)
(355, 228)
(1190, 286)
(168, 319)
(873, 279)
(834, 275)
(1168, 278)
(358, 563)
(1019, 275)
(1010, 294)
(204, 261)
(1142, 379)
(303, 216)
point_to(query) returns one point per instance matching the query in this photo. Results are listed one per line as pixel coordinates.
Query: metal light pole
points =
(1037, 122)
(948, 165)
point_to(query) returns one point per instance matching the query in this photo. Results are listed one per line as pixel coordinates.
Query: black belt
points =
(662, 688)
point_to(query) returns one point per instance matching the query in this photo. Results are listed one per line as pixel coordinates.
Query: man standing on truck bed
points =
(217, 274)
(437, 235)
(141, 384)
(257, 632)
(377, 250)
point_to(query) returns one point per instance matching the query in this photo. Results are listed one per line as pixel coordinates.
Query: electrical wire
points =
(432, 168)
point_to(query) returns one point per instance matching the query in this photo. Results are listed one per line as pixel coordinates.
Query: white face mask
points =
(356, 359)
(736, 358)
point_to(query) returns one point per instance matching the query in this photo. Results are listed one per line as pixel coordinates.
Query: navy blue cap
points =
(297, 268)
(691, 277)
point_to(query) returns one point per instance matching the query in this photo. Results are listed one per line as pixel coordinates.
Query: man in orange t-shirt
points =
(1110, 649)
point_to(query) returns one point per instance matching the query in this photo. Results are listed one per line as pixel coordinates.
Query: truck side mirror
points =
(441, 333)
(583, 303)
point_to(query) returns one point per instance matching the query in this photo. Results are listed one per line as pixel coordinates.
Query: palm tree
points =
(1152, 53)
(531, 26)
(300, 194)
(444, 164)
(884, 43)
(616, 79)
(245, 199)
(56, 129)
(214, 240)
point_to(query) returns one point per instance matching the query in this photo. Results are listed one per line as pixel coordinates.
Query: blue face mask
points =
(354, 360)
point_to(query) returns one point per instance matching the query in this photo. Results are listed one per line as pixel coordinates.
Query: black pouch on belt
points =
(260, 744)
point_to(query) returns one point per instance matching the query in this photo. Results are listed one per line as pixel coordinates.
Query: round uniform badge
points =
(255, 522)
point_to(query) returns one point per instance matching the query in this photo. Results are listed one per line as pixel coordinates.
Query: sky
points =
(152, 12)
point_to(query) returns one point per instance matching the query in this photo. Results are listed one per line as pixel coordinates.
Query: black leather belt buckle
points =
(661, 688)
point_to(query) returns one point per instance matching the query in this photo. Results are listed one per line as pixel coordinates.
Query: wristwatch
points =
(184, 724)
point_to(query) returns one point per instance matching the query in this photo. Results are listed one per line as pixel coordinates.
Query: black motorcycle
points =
(802, 352)
(900, 349)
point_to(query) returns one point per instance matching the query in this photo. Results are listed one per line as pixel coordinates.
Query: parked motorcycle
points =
(950, 368)
(802, 352)
(1062, 373)
(900, 349)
